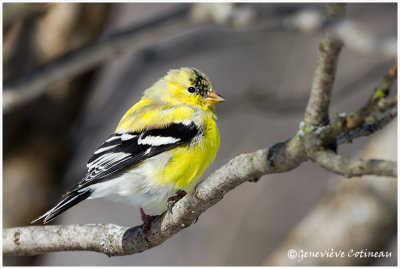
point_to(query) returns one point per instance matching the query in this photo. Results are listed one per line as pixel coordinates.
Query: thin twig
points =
(367, 129)
(376, 103)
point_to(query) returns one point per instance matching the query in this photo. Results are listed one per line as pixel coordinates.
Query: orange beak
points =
(212, 97)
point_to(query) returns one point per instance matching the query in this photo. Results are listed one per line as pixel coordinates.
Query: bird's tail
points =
(69, 201)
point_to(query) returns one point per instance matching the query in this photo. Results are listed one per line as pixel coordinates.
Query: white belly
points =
(134, 187)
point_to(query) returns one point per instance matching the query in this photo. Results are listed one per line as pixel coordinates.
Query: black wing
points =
(119, 152)
(122, 150)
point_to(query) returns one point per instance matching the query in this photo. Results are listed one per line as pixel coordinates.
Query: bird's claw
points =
(172, 200)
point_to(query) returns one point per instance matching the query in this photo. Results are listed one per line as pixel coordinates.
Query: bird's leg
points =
(172, 200)
(146, 222)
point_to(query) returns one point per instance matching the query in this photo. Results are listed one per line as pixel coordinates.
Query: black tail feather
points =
(68, 202)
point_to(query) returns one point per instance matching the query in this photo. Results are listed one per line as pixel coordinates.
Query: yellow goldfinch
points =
(159, 150)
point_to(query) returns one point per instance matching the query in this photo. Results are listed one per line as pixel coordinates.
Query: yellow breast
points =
(189, 161)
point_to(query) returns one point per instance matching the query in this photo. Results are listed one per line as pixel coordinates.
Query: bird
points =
(158, 151)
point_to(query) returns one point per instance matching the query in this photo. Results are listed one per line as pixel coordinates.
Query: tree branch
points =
(317, 111)
(354, 167)
(41, 239)
(376, 103)
(114, 240)
(367, 129)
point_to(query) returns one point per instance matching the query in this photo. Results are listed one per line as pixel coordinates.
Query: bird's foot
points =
(172, 200)
(146, 223)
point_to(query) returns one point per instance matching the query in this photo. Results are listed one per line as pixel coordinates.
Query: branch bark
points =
(377, 102)
(354, 167)
(317, 111)
(367, 129)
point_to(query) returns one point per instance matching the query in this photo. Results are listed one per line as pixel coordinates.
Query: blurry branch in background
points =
(359, 39)
(315, 141)
(354, 35)
(34, 165)
(21, 90)
(28, 86)
(13, 12)
(255, 97)
(336, 10)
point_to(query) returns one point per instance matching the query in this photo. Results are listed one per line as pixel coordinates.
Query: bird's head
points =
(188, 86)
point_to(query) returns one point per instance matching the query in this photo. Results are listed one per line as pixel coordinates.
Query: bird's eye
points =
(191, 89)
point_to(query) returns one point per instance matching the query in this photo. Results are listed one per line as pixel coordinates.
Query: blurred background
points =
(71, 70)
